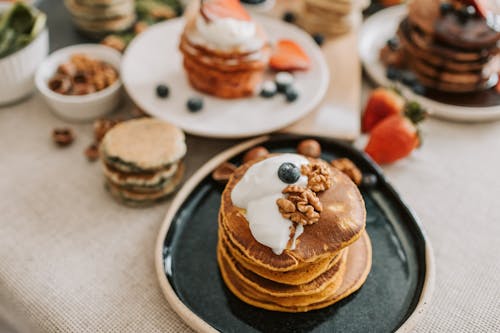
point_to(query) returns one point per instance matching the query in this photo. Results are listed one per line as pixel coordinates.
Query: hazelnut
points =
(309, 148)
(83, 89)
(255, 153)
(60, 84)
(223, 172)
(63, 136)
(114, 42)
(67, 68)
(92, 152)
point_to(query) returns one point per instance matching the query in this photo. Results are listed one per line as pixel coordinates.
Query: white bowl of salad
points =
(24, 43)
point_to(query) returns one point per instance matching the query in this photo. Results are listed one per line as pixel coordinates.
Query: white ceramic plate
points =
(375, 32)
(153, 57)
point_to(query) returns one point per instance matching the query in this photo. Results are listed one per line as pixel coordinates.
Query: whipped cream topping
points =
(226, 32)
(257, 192)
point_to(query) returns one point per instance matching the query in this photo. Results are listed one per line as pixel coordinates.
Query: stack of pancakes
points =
(226, 72)
(331, 258)
(448, 52)
(100, 17)
(331, 18)
(142, 160)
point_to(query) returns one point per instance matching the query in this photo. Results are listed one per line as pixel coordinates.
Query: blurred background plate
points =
(153, 57)
(375, 32)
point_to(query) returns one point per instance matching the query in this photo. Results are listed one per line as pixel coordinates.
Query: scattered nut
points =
(310, 148)
(223, 172)
(63, 136)
(255, 153)
(319, 177)
(349, 168)
(300, 206)
(114, 42)
(92, 152)
(102, 126)
(162, 12)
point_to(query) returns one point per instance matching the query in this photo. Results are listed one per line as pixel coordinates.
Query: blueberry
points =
(269, 89)
(162, 91)
(418, 89)
(369, 180)
(465, 13)
(393, 73)
(319, 39)
(253, 2)
(408, 78)
(283, 80)
(289, 17)
(195, 104)
(289, 173)
(446, 8)
(291, 94)
(393, 43)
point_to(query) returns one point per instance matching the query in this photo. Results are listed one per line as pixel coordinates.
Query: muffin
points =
(225, 52)
(292, 234)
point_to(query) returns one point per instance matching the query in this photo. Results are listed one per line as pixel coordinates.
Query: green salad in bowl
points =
(19, 26)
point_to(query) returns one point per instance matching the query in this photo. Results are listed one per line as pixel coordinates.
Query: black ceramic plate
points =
(394, 294)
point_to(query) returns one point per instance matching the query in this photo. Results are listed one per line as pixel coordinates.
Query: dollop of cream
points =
(226, 32)
(257, 192)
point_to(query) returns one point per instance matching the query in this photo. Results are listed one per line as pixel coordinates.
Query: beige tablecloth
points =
(73, 260)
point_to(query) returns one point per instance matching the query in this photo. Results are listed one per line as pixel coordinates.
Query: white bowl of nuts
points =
(81, 82)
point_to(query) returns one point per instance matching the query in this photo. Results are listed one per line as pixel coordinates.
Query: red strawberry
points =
(396, 136)
(381, 104)
(220, 9)
(498, 85)
(479, 5)
(289, 56)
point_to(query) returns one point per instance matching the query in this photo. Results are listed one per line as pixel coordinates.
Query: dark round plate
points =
(394, 295)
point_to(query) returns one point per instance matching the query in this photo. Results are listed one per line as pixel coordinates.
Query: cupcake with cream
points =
(225, 51)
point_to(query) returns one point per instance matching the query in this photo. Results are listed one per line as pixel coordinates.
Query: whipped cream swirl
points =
(226, 32)
(257, 192)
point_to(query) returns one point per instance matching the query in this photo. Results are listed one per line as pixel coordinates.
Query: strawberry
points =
(220, 9)
(381, 104)
(498, 85)
(479, 5)
(289, 56)
(396, 136)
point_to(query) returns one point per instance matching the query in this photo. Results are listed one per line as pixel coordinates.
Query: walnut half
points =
(300, 206)
(319, 178)
(349, 168)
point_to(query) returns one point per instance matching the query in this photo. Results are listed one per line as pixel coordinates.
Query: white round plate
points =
(374, 34)
(153, 57)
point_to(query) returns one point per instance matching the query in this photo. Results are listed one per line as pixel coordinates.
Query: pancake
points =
(357, 267)
(303, 274)
(135, 179)
(143, 144)
(341, 223)
(90, 12)
(129, 196)
(115, 24)
(224, 71)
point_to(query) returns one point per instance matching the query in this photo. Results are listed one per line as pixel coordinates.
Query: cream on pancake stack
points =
(331, 17)
(99, 17)
(142, 160)
(225, 52)
(292, 234)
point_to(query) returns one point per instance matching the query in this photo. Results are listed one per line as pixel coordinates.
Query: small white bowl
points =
(82, 107)
(18, 69)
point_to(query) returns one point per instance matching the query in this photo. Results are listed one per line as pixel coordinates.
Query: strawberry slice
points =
(289, 56)
(221, 9)
(381, 104)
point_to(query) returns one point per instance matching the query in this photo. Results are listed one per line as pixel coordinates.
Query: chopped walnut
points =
(63, 136)
(319, 178)
(349, 168)
(300, 206)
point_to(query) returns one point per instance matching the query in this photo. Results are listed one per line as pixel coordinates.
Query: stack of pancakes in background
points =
(227, 71)
(449, 51)
(331, 258)
(142, 160)
(329, 17)
(100, 17)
